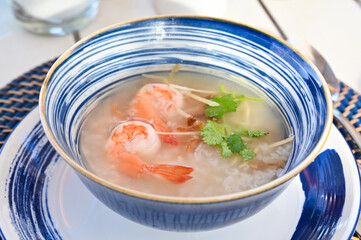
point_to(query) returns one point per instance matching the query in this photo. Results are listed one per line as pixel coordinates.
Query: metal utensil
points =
(314, 56)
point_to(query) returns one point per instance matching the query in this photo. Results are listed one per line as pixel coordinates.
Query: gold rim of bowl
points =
(212, 199)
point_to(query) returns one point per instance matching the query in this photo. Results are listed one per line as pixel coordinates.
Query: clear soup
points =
(188, 120)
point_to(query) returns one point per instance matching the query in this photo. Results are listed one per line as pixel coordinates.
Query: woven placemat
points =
(21, 95)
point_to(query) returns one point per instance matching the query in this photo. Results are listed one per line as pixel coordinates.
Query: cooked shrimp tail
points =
(133, 166)
(172, 173)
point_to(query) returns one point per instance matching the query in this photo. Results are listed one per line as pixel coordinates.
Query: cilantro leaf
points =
(235, 143)
(226, 104)
(255, 133)
(223, 135)
(225, 151)
(212, 133)
(247, 153)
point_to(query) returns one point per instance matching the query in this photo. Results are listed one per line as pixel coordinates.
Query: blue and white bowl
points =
(87, 72)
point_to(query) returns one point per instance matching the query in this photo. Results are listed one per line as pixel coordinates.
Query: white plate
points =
(42, 198)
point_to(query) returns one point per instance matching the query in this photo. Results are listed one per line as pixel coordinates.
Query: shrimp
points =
(156, 103)
(133, 139)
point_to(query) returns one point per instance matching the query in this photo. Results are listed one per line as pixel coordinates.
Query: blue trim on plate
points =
(322, 180)
(359, 207)
(27, 187)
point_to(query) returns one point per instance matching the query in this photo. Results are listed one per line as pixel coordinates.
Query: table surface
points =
(331, 26)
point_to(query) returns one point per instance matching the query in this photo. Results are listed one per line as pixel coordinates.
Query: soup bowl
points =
(86, 73)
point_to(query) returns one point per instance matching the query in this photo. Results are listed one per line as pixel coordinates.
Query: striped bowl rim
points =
(213, 199)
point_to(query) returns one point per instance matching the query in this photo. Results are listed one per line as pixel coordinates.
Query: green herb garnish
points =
(255, 133)
(235, 143)
(216, 134)
(213, 133)
(247, 153)
(228, 139)
(225, 151)
(226, 104)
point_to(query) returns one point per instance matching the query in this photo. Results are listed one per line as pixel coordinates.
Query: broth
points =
(212, 174)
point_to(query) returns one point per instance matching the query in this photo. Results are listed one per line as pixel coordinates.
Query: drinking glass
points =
(54, 17)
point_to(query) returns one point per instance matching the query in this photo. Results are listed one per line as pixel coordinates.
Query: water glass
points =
(54, 17)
